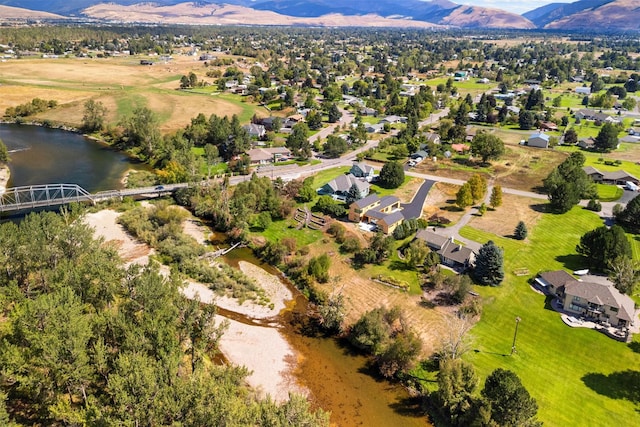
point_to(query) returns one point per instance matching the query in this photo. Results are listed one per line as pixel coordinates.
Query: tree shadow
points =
(409, 407)
(541, 207)
(547, 302)
(624, 385)
(634, 346)
(399, 266)
(572, 261)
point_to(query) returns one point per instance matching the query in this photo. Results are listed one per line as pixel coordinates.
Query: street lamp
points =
(515, 335)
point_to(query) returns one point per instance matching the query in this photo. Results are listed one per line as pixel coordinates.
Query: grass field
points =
(121, 84)
(578, 376)
(608, 193)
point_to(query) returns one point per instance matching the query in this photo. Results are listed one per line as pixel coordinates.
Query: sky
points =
(516, 6)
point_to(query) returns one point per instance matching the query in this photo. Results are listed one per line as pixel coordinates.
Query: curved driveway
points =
(414, 208)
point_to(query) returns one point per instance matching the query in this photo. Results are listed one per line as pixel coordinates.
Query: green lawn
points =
(322, 177)
(287, 228)
(574, 374)
(608, 193)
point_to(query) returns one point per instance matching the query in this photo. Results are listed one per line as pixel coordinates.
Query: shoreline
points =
(5, 175)
(263, 350)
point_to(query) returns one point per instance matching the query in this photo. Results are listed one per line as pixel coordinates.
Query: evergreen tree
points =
(391, 175)
(526, 120)
(464, 196)
(334, 113)
(568, 183)
(520, 232)
(489, 265)
(607, 138)
(602, 245)
(629, 217)
(353, 194)
(457, 381)
(496, 196)
(511, 404)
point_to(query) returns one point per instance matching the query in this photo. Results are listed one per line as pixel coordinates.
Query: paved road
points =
(414, 208)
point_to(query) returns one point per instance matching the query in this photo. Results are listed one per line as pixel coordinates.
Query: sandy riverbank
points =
(263, 350)
(5, 174)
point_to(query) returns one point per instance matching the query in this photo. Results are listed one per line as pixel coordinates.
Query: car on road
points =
(159, 188)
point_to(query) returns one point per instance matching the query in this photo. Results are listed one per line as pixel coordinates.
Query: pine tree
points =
(464, 197)
(496, 197)
(489, 265)
(520, 232)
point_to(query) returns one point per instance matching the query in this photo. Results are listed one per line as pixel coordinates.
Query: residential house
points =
(339, 187)
(263, 156)
(539, 140)
(618, 177)
(255, 130)
(377, 128)
(599, 301)
(384, 212)
(460, 76)
(362, 170)
(432, 137)
(460, 148)
(368, 111)
(585, 114)
(267, 122)
(393, 119)
(587, 143)
(583, 90)
(451, 254)
(419, 156)
(548, 126)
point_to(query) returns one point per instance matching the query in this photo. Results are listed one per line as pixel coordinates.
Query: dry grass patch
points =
(441, 201)
(503, 220)
(12, 95)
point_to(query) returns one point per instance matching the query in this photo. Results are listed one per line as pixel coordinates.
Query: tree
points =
(568, 183)
(478, 185)
(487, 146)
(511, 404)
(603, 244)
(520, 232)
(464, 196)
(332, 313)
(416, 253)
(457, 381)
(607, 138)
(314, 119)
(4, 153)
(94, 115)
(142, 131)
(496, 196)
(297, 141)
(624, 272)
(489, 265)
(570, 137)
(526, 120)
(335, 146)
(353, 194)
(629, 217)
(334, 114)
(211, 155)
(391, 175)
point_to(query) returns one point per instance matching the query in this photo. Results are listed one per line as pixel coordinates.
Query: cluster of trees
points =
(87, 342)
(391, 175)
(384, 334)
(602, 245)
(568, 183)
(36, 106)
(471, 191)
(503, 401)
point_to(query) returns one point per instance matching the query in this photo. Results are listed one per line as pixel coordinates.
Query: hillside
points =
(618, 15)
(9, 12)
(410, 13)
(189, 13)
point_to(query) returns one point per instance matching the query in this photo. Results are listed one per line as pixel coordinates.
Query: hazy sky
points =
(516, 6)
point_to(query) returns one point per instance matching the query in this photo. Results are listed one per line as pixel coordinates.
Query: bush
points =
(351, 245)
(594, 205)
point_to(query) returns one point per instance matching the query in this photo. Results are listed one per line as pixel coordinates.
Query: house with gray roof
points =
(451, 254)
(618, 177)
(362, 170)
(339, 187)
(538, 140)
(595, 298)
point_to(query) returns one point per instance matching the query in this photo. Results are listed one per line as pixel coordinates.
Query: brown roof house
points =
(451, 254)
(600, 302)
(618, 177)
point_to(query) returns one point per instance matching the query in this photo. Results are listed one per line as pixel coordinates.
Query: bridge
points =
(40, 196)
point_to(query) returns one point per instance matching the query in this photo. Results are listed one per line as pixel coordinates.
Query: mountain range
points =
(604, 15)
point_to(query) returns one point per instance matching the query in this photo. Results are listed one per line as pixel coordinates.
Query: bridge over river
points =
(40, 196)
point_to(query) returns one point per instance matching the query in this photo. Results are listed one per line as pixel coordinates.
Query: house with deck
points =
(451, 254)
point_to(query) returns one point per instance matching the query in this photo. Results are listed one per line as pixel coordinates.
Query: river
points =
(40, 155)
(338, 380)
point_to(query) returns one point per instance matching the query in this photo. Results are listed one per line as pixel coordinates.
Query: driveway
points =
(414, 208)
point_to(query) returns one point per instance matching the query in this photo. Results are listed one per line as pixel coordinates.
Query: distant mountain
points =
(604, 15)
(436, 11)
(9, 12)
(617, 15)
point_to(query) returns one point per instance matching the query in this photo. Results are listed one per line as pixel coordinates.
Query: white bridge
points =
(38, 196)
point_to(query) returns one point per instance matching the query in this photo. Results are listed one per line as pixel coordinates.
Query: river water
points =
(338, 380)
(41, 155)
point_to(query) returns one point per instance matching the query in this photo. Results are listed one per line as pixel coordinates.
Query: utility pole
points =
(515, 335)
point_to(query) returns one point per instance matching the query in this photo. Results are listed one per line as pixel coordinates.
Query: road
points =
(413, 209)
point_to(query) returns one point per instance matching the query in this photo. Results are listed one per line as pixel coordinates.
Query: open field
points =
(121, 84)
(503, 220)
(573, 373)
